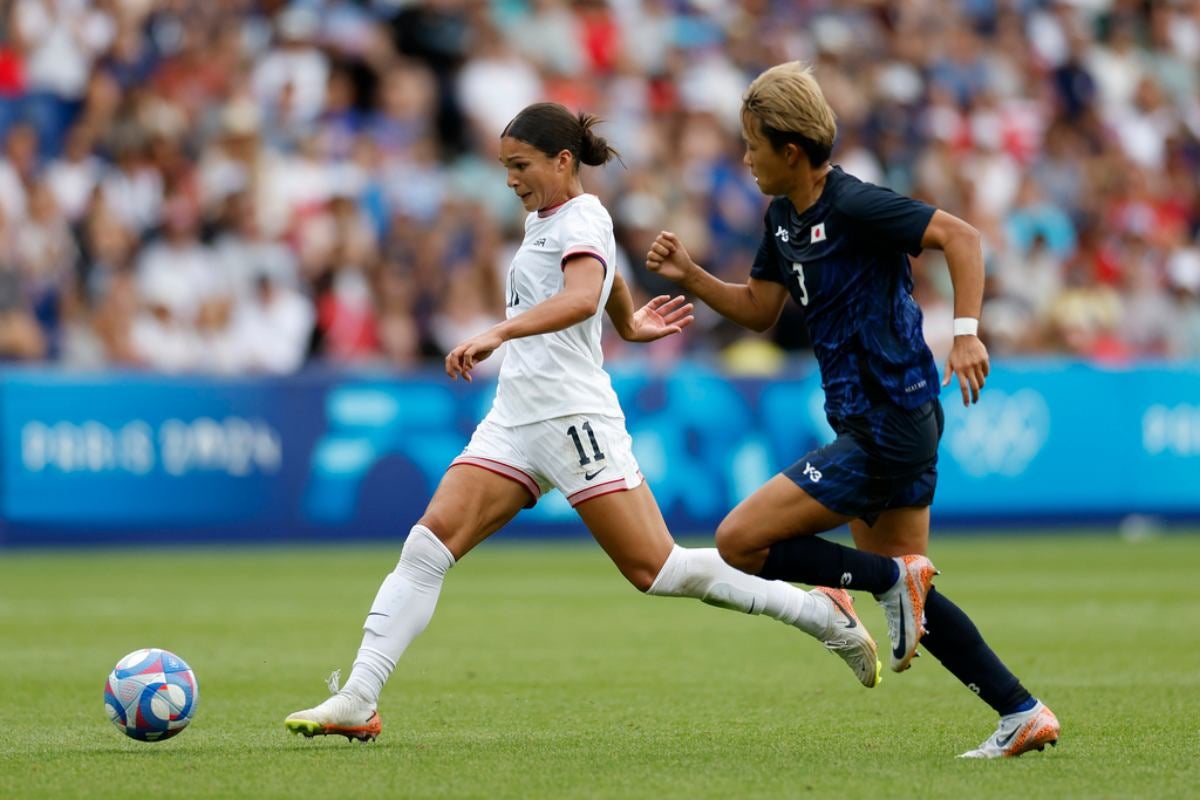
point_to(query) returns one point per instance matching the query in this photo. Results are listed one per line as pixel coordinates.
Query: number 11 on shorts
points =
(583, 457)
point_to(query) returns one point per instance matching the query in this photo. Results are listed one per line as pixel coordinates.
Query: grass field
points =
(544, 675)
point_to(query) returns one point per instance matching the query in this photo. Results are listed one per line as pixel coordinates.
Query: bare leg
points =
(897, 532)
(630, 528)
(471, 504)
(778, 511)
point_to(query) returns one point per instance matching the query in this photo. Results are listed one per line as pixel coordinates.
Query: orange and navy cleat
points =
(848, 637)
(1019, 733)
(904, 607)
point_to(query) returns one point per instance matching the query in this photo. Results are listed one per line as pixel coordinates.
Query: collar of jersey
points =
(550, 211)
(817, 208)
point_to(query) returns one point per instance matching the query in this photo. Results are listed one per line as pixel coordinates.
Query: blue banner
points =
(90, 458)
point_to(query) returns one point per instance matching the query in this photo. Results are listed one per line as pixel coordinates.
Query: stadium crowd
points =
(250, 186)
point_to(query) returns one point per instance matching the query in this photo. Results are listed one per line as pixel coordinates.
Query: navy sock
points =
(955, 641)
(820, 562)
(1028, 704)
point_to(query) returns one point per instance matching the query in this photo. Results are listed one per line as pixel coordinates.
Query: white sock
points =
(701, 573)
(402, 609)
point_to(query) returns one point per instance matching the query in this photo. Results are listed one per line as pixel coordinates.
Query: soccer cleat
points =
(340, 715)
(1019, 733)
(904, 607)
(847, 637)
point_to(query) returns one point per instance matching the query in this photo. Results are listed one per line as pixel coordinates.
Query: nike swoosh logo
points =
(899, 649)
(587, 476)
(849, 617)
(376, 614)
(1003, 742)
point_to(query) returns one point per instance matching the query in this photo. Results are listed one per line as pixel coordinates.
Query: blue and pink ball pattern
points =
(151, 695)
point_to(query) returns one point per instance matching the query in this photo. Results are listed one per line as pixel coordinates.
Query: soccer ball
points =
(151, 695)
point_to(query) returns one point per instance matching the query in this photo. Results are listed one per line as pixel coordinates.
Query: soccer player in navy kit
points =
(840, 248)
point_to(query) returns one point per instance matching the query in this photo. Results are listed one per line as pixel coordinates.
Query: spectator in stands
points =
(18, 169)
(291, 103)
(20, 336)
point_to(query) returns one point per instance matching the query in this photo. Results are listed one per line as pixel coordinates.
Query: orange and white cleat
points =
(847, 637)
(904, 607)
(341, 714)
(1019, 733)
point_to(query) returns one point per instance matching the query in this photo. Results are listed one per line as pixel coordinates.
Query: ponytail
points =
(551, 128)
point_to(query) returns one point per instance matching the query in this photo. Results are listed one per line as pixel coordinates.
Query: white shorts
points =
(583, 456)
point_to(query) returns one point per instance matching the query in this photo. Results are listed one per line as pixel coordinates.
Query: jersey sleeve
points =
(892, 217)
(586, 232)
(767, 263)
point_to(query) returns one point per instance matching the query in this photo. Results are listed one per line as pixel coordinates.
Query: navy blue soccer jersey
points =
(845, 262)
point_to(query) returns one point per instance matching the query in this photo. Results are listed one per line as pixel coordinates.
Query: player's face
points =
(539, 180)
(768, 166)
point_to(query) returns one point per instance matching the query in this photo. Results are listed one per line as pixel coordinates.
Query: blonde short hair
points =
(787, 101)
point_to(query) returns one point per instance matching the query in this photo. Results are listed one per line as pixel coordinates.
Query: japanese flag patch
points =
(818, 232)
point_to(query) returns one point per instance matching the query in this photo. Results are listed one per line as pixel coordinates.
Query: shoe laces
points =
(891, 594)
(835, 641)
(850, 653)
(892, 615)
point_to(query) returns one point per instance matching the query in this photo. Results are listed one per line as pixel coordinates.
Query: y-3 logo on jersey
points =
(539, 242)
(812, 472)
(781, 234)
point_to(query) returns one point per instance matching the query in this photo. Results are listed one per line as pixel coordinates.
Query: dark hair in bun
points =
(551, 128)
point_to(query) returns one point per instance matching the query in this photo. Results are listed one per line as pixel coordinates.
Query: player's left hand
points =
(463, 358)
(662, 316)
(969, 361)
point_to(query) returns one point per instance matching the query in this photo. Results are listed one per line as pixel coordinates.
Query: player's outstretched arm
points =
(755, 304)
(583, 280)
(964, 256)
(662, 316)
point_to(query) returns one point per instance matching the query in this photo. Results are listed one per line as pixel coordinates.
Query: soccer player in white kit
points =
(556, 424)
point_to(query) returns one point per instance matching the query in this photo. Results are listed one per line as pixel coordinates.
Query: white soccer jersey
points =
(561, 373)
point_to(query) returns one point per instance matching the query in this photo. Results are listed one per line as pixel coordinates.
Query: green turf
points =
(544, 675)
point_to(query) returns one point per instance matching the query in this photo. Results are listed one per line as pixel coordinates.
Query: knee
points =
(647, 569)
(450, 531)
(735, 547)
(438, 524)
(642, 577)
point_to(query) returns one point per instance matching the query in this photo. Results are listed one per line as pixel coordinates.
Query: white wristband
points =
(966, 326)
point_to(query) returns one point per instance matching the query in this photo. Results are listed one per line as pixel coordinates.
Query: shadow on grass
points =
(207, 750)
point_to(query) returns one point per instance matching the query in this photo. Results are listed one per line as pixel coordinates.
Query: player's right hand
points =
(669, 258)
(462, 359)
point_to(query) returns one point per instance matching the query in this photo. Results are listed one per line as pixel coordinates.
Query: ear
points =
(564, 160)
(792, 153)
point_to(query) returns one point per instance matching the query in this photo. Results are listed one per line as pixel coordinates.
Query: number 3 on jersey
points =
(798, 268)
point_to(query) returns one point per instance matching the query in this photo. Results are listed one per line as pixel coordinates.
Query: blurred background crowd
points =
(241, 186)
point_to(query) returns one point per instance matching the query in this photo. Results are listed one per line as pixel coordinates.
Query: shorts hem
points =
(868, 514)
(515, 474)
(601, 489)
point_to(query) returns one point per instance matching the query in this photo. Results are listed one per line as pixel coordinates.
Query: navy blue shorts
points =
(884, 459)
